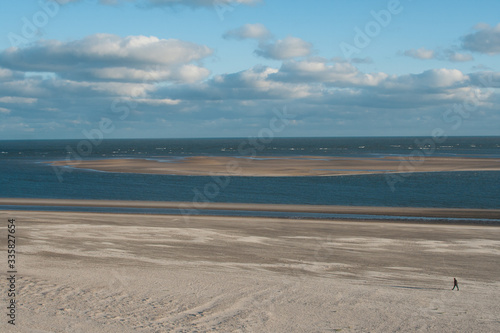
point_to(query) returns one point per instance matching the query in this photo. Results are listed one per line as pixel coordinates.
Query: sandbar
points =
(188, 207)
(284, 166)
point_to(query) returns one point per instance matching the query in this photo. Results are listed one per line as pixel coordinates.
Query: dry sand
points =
(89, 272)
(286, 166)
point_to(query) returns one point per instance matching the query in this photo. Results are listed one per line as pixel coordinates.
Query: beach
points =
(249, 166)
(103, 272)
(285, 166)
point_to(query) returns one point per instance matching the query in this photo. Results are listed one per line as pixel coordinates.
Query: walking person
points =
(455, 284)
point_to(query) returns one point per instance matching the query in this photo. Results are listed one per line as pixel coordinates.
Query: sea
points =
(27, 173)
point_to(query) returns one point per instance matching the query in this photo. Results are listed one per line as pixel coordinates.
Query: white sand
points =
(85, 272)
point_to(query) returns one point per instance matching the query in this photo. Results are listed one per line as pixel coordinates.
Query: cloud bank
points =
(52, 85)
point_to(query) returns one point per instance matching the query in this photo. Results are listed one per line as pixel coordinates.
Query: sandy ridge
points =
(389, 211)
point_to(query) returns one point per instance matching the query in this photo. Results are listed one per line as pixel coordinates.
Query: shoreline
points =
(416, 212)
(270, 166)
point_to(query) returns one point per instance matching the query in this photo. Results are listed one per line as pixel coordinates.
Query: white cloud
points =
(190, 73)
(441, 78)
(287, 48)
(255, 82)
(421, 53)
(316, 71)
(459, 57)
(485, 40)
(184, 74)
(249, 31)
(110, 57)
(17, 100)
(102, 50)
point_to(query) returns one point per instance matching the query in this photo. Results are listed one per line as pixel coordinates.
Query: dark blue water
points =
(365, 146)
(24, 175)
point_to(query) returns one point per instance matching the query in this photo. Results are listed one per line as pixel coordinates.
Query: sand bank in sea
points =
(90, 272)
(285, 166)
(326, 209)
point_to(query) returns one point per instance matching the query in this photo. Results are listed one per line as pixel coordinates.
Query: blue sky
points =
(225, 68)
